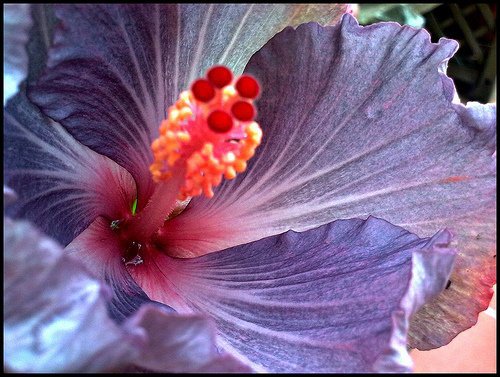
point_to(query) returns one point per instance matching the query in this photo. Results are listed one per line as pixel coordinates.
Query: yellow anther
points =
(207, 189)
(207, 149)
(164, 126)
(197, 159)
(230, 173)
(229, 92)
(170, 135)
(229, 158)
(185, 99)
(184, 137)
(185, 113)
(155, 146)
(254, 128)
(247, 152)
(172, 158)
(173, 115)
(240, 165)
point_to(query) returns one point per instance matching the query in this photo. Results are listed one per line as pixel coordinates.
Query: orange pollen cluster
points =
(210, 133)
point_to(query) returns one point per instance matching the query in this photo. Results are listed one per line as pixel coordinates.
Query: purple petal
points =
(128, 298)
(189, 346)
(359, 121)
(16, 26)
(40, 39)
(9, 195)
(333, 299)
(474, 229)
(115, 69)
(55, 318)
(481, 120)
(62, 185)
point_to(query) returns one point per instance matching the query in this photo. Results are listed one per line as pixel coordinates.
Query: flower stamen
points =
(210, 132)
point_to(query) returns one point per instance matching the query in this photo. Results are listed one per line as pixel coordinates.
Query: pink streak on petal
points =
(98, 248)
(215, 236)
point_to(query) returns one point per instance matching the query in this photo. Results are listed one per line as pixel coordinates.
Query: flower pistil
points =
(210, 132)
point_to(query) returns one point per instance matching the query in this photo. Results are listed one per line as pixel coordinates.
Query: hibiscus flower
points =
(370, 178)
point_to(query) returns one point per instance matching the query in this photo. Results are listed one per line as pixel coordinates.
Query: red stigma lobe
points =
(220, 76)
(220, 121)
(243, 111)
(202, 90)
(247, 87)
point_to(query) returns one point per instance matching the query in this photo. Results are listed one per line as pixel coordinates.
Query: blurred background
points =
(473, 68)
